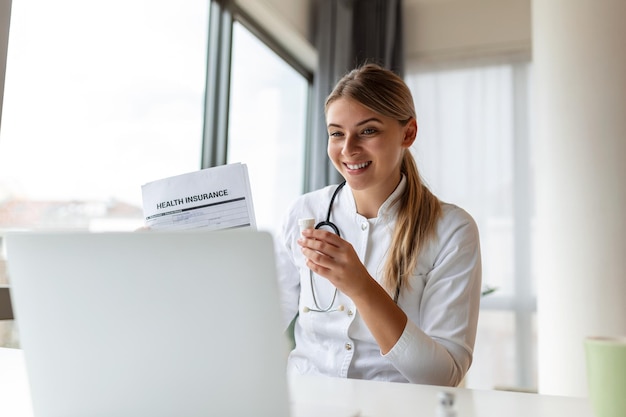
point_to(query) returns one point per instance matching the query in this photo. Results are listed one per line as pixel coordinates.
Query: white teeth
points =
(357, 166)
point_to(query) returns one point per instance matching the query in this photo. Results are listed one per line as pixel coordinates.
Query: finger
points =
(320, 247)
(318, 269)
(324, 235)
(317, 257)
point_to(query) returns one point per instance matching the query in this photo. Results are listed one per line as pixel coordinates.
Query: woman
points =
(395, 297)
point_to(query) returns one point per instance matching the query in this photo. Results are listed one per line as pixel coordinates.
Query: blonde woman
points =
(387, 286)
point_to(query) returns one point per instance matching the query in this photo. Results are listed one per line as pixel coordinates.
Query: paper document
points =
(212, 198)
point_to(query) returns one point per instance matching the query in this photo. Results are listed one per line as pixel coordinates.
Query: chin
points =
(355, 183)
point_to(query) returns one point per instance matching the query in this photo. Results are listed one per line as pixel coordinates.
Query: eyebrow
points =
(371, 119)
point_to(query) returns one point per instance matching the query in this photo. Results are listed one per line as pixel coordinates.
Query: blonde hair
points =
(385, 93)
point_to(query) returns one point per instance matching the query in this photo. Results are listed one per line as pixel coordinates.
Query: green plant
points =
(487, 290)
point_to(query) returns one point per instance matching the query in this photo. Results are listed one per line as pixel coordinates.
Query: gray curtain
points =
(348, 33)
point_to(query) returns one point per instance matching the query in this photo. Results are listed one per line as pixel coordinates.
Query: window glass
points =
(100, 98)
(267, 125)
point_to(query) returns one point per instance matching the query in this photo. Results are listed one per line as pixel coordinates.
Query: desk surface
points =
(334, 397)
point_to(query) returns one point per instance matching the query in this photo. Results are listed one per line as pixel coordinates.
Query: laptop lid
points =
(149, 323)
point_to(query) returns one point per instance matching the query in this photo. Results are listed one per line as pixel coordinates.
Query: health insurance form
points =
(212, 198)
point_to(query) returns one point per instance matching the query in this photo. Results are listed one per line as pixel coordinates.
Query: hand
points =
(334, 258)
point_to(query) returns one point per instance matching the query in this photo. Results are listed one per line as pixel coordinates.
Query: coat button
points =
(350, 313)
(348, 346)
(364, 226)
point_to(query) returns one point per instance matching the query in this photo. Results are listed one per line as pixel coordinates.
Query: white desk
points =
(380, 399)
(332, 397)
(14, 390)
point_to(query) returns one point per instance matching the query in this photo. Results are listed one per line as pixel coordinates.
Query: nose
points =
(350, 145)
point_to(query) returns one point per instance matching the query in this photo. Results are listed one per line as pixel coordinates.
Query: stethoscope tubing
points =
(333, 226)
(326, 223)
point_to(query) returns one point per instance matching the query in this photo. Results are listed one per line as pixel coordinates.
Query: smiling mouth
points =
(358, 166)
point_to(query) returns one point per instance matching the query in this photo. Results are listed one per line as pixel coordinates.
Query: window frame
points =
(223, 15)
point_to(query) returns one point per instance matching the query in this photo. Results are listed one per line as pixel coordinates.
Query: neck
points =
(369, 201)
(365, 206)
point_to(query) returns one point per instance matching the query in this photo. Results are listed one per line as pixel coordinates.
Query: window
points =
(473, 150)
(100, 98)
(267, 125)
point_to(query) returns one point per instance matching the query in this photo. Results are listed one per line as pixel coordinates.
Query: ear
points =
(410, 133)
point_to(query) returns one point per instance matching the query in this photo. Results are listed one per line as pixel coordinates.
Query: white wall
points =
(439, 30)
(294, 12)
(288, 22)
(580, 102)
(436, 30)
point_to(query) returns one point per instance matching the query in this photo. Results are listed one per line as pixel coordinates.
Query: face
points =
(366, 147)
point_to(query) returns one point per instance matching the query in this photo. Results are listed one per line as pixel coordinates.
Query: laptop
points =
(149, 323)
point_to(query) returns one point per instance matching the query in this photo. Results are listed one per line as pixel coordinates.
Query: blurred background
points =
(102, 97)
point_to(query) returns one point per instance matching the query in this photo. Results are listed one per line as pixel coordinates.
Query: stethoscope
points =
(335, 229)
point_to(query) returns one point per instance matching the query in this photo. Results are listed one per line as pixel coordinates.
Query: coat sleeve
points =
(438, 350)
(288, 275)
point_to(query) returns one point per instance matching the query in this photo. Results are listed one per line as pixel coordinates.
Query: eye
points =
(335, 134)
(369, 131)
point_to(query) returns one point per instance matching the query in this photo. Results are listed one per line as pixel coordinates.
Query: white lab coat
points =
(441, 303)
